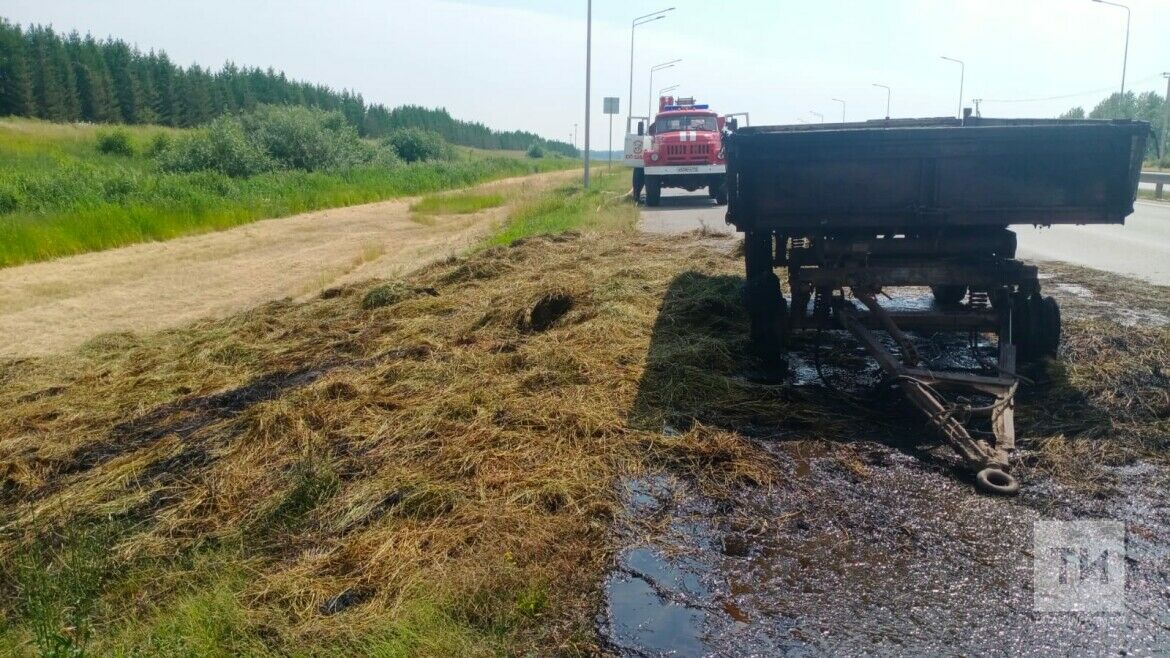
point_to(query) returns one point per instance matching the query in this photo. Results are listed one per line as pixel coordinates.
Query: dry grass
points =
(431, 476)
(1106, 400)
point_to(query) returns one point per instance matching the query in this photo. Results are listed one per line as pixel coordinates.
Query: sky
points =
(520, 64)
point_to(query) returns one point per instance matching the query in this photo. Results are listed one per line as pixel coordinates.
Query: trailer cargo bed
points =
(934, 173)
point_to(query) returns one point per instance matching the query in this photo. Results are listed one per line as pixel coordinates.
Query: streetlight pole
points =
(1166, 121)
(641, 20)
(889, 93)
(1125, 57)
(588, 72)
(666, 89)
(817, 115)
(842, 109)
(650, 89)
(962, 75)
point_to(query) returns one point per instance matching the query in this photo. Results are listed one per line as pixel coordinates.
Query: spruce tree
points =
(16, 92)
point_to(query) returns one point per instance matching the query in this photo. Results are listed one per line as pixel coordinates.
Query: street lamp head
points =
(652, 16)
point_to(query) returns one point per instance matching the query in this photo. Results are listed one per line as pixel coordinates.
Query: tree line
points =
(1146, 106)
(73, 78)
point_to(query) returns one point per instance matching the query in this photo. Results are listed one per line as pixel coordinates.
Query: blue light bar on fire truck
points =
(671, 108)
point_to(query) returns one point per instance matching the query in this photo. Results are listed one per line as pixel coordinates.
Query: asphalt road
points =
(1139, 249)
(685, 211)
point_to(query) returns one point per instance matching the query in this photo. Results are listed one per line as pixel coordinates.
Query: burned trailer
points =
(852, 209)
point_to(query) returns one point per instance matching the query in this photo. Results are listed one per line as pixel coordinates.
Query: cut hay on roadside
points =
(428, 467)
(343, 470)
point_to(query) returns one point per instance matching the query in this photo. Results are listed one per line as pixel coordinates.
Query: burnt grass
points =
(435, 465)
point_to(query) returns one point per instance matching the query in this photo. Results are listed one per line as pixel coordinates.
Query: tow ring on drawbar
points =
(996, 481)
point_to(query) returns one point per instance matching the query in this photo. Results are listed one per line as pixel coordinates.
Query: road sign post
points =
(588, 74)
(611, 107)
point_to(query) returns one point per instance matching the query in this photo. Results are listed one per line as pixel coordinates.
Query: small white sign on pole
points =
(610, 107)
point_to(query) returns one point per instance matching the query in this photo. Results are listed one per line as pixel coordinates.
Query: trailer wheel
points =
(1049, 326)
(767, 309)
(1027, 327)
(948, 295)
(638, 182)
(653, 191)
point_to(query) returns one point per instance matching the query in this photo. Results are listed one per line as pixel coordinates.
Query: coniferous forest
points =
(79, 78)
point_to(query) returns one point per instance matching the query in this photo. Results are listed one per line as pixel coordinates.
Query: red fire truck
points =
(683, 149)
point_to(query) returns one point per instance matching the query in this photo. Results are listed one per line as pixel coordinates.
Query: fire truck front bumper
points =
(682, 170)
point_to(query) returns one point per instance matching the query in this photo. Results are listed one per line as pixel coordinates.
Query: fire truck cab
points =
(682, 148)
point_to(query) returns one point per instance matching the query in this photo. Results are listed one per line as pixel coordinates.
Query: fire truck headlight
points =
(654, 157)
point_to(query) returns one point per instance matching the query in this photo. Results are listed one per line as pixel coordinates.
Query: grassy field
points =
(59, 195)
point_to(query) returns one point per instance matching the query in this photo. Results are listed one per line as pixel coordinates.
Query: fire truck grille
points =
(688, 152)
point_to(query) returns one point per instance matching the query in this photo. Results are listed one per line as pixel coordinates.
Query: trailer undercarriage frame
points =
(835, 280)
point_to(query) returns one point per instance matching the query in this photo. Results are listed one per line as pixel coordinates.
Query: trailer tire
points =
(948, 295)
(764, 300)
(768, 313)
(637, 183)
(1049, 327)
(721, 194)
(653, 191)
(1027, 327)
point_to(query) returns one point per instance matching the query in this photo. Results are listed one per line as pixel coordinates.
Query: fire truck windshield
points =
(686, 122)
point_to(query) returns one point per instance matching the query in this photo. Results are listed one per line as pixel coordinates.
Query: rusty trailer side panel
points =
(933, 173)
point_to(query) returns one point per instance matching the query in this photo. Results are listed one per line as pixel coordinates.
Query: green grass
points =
(568, 208)
(60, 196)
(459, 203)
(58, 583)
